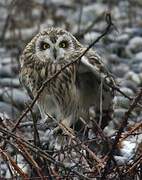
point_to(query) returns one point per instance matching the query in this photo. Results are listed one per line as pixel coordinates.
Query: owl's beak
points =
(55, 53)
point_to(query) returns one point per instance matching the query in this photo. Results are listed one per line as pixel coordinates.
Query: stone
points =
(133, 77)
(16, 96)
(134, 46)
(127, 91)
(10, 82)
(120, 70)
(123, 38)
(121, 101)
(8, 110)
(129, 84)
(6, 71)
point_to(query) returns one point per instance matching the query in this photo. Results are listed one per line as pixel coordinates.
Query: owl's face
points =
(54, 46)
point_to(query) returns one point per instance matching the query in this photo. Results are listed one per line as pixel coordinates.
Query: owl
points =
(79, 87)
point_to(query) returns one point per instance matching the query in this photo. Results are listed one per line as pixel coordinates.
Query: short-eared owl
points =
(77, 88)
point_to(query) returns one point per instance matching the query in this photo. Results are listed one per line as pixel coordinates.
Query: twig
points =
(123, 125)
(138, 161)
(13, 164)
(76, 140)
(36, 134)
(131, 131)
(41, 153)
(81, 34)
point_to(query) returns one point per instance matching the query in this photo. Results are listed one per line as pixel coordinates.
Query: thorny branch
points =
(137, 127)
(121, 129)
(40, 152)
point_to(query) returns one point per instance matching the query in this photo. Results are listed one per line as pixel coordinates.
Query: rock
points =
(6, 60)
(134, 46)
(121, 160)
(121, 101)
(8, 110)
(6, 71)
(134, 31)
(136, 63)
(26, 33)
(15, 96)
(118, 49)
(127, 91)
(10, 82)
(123, 38)
(133, 77)
(128, 149)
(120, 70)
(138, 57)
(113, 59)
(89, 37)
(140, 76)
(136, 67)
(129, 84)
(119, 113)
(90, 12)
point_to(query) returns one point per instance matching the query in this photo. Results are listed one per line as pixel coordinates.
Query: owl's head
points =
(54, 45)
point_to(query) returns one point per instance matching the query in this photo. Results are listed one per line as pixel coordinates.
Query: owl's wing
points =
(24, 83)
(93, 81)
(23, 78)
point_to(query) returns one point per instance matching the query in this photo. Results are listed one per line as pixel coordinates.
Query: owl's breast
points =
(48, 105)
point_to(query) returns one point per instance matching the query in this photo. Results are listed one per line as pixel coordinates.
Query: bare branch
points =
(123, 125)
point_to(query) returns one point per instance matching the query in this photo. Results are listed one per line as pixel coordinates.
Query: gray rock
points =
(6, 71)
(120, 70)
(129, 84)
(10, 82)
(123, 38)
(121, 102)
(136, 63)
(89, 37)
(140, 76)
(134, 46)
(5, 60)
(15, 96)
(113, 59)
(8, 110)
(134, 31)
(136, 67)
(90, 12)
(116, 48)
(26, 33)
(133, 77)
(127, 91)
(138, 57)
(121, 160)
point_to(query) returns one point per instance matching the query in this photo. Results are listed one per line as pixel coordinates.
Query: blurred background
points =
(121, 49)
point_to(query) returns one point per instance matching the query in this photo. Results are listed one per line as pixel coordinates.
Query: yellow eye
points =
(63, 44)
(44, 46)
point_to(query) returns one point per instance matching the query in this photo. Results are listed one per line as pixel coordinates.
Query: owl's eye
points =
(44, 46)
(63, 44)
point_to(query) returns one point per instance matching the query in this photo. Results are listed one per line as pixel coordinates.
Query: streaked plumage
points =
(76, 88)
